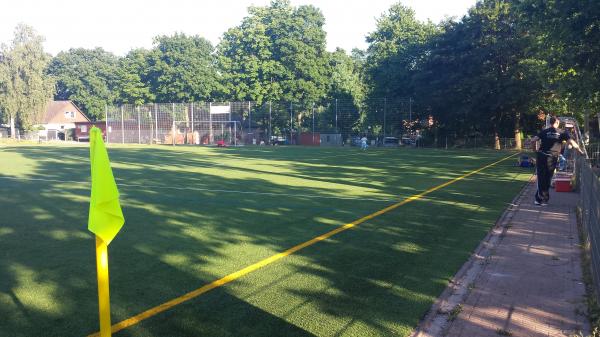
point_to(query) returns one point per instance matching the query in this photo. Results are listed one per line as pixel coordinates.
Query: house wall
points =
(82, 129)
(51, 130)
(61, 114)
(61, 117)
(309, 138)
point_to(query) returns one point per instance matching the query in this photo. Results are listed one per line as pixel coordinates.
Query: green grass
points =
(187, 226)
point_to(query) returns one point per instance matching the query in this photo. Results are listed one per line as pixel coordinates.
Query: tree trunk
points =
(586, 128)
(13, 135)
(517, 131)
(496, 141)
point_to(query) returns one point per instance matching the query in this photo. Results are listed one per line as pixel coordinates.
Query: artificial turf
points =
(196, 214)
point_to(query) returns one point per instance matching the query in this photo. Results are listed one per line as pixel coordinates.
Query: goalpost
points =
(206, 132)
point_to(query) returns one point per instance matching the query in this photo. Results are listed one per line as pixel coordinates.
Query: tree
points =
(277, 53)
(133, 83)
(568, 32)
(482, 74)
(87, 77)
(25, 89)
(183, 69)
(509, 68)
(346, 77)
(395, 49)
(393, 58)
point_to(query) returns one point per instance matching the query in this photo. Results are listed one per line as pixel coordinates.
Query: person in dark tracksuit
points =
(547, 157)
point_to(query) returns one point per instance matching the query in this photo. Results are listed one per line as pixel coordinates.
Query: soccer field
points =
(196, 214)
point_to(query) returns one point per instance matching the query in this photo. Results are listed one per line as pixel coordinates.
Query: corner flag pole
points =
(105, 220)
(103, 288)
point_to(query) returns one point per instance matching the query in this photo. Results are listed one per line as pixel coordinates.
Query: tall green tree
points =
(348, 89)
(509, 69)
(395, 50)
(482, 74)
(183, 69)
(25, 89)
(568, 31)
(277, 53)
(133, 80)
(87, 77)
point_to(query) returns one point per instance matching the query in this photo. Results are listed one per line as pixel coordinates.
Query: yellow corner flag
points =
(106, 217)
(105, 220)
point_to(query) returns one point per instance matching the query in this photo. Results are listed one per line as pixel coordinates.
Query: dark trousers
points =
(545, 166)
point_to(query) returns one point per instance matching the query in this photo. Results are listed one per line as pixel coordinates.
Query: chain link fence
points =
(589, 206)
(335, 122)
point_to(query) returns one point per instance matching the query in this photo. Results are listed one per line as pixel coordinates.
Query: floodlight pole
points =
(270, 129)
(291, 122)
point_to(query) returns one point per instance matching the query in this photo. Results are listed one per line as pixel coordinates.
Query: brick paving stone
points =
(532, 284)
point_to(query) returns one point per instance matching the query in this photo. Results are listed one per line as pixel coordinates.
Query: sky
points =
(121, 25)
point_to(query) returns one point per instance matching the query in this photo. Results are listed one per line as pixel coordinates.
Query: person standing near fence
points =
(363, 143)
(551, 140)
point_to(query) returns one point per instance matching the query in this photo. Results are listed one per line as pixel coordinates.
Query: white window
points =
(69, 114)
(83, 128)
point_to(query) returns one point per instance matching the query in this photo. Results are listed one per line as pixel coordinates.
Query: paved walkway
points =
(528, 284)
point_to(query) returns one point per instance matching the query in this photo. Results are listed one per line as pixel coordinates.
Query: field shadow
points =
(380, 277)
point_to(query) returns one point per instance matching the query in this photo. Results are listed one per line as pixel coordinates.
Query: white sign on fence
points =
(220, 109)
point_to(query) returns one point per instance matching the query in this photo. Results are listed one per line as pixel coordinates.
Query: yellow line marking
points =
(234, 276)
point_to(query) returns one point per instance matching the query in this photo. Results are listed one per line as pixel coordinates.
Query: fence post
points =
(313, 120)
(250, 123)
(192, 108)
(156, 120)
(105, 122)
(210, 128)
(336, 116)
(139, 126)
(410, 109)
(173, 123)
(384, 114)
(230, 109)
(122, 127)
